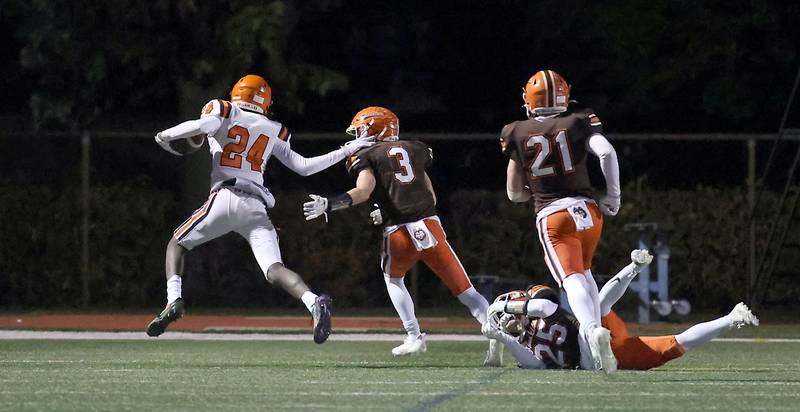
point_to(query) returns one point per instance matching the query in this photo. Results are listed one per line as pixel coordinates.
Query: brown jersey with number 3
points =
(399, 169)
(552, 152)
(554, 340)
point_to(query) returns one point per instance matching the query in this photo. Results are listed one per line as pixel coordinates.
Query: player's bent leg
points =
(614, 289)
(403, 304)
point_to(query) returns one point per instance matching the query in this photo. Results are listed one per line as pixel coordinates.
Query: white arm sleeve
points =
(204, 125)
(522, 353)
(305, 166)
(541, 308)
(600, 147)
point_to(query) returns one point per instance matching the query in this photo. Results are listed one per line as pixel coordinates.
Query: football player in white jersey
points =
(241, 139)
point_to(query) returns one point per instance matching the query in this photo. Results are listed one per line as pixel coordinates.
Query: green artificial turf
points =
(158, 375)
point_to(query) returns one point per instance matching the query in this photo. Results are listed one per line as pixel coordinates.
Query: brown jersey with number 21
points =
(400, 187)
(552, 152)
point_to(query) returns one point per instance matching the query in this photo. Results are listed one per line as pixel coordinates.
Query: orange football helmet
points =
(546, 93)
(377, 122)
(252, 92)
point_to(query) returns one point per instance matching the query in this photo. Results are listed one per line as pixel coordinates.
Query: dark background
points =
(444, 67)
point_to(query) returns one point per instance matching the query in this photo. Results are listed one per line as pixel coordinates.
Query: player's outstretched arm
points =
(305, 166)
(524, 356)
(202, 126)
(515, 183)
(609, 165)
(318, 206)
(533, 308)
(616, 286)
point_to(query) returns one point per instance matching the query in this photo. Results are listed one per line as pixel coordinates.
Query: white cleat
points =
(494, 356)
(741, 316)
(411, 346)
(640, 259)
(600, 345)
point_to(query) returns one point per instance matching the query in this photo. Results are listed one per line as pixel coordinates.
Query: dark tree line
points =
(662, 65)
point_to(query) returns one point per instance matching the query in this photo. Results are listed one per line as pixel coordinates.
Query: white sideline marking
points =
(336, 337)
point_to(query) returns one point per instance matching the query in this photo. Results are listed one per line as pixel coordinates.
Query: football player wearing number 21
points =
(547, 161)
(393, 173)
(241, 140)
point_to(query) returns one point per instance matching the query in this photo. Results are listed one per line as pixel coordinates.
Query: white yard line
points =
(340, 337)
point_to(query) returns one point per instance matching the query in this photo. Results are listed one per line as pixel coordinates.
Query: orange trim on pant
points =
(639, 352)
(400, 255)
(567, 251)
(198, 214)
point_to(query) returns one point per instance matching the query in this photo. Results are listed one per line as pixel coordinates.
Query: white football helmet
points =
(513, 325)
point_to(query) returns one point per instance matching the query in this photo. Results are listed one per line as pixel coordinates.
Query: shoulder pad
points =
(221, 108)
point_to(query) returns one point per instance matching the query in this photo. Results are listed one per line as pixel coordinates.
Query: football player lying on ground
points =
(393, 173)
(241, 139)
(549, 340)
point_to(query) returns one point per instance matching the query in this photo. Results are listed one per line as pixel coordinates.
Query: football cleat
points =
(640, 259)
(600, 345)
(411, 346)
(741, 316)
(171, 313)
(321, 314)
(494, 355)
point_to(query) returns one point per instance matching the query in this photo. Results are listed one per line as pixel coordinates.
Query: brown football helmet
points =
(545, 93)
(377, 122)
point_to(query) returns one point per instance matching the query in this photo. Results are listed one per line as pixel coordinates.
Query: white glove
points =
(165, 144)
(316, 208)
(377, 217)
(491, 330)
(610, 205)
(356, 144)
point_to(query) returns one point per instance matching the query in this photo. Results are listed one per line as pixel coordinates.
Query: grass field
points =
(86, 375)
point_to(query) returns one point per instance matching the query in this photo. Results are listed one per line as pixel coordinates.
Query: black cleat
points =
(171, 313)
(321, 313)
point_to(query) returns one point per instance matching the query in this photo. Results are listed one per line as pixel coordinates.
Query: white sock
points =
(476, 303)
(580, 300)
(308, 299)
(173, 288)
(703, 332)
(403, 304)
(615, 288)
(591, 286)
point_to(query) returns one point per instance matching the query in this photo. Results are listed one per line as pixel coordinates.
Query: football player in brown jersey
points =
(547, 162)
(550, 341)
(393, 173)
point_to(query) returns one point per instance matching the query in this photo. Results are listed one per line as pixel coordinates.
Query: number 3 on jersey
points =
(541, 146)
(232, 152)
(406, 174)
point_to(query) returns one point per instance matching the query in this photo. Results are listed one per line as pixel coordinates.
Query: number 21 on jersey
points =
(543, 146)
(406, 173)
(232, 152)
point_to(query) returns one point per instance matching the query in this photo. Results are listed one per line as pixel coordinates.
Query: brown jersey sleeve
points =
(357, 162)
(507, 146)
(593, 123)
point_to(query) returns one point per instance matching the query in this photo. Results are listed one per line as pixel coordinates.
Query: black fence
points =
(56, 253)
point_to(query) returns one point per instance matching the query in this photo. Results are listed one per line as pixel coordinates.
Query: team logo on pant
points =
(579, 211)
(420, 235)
